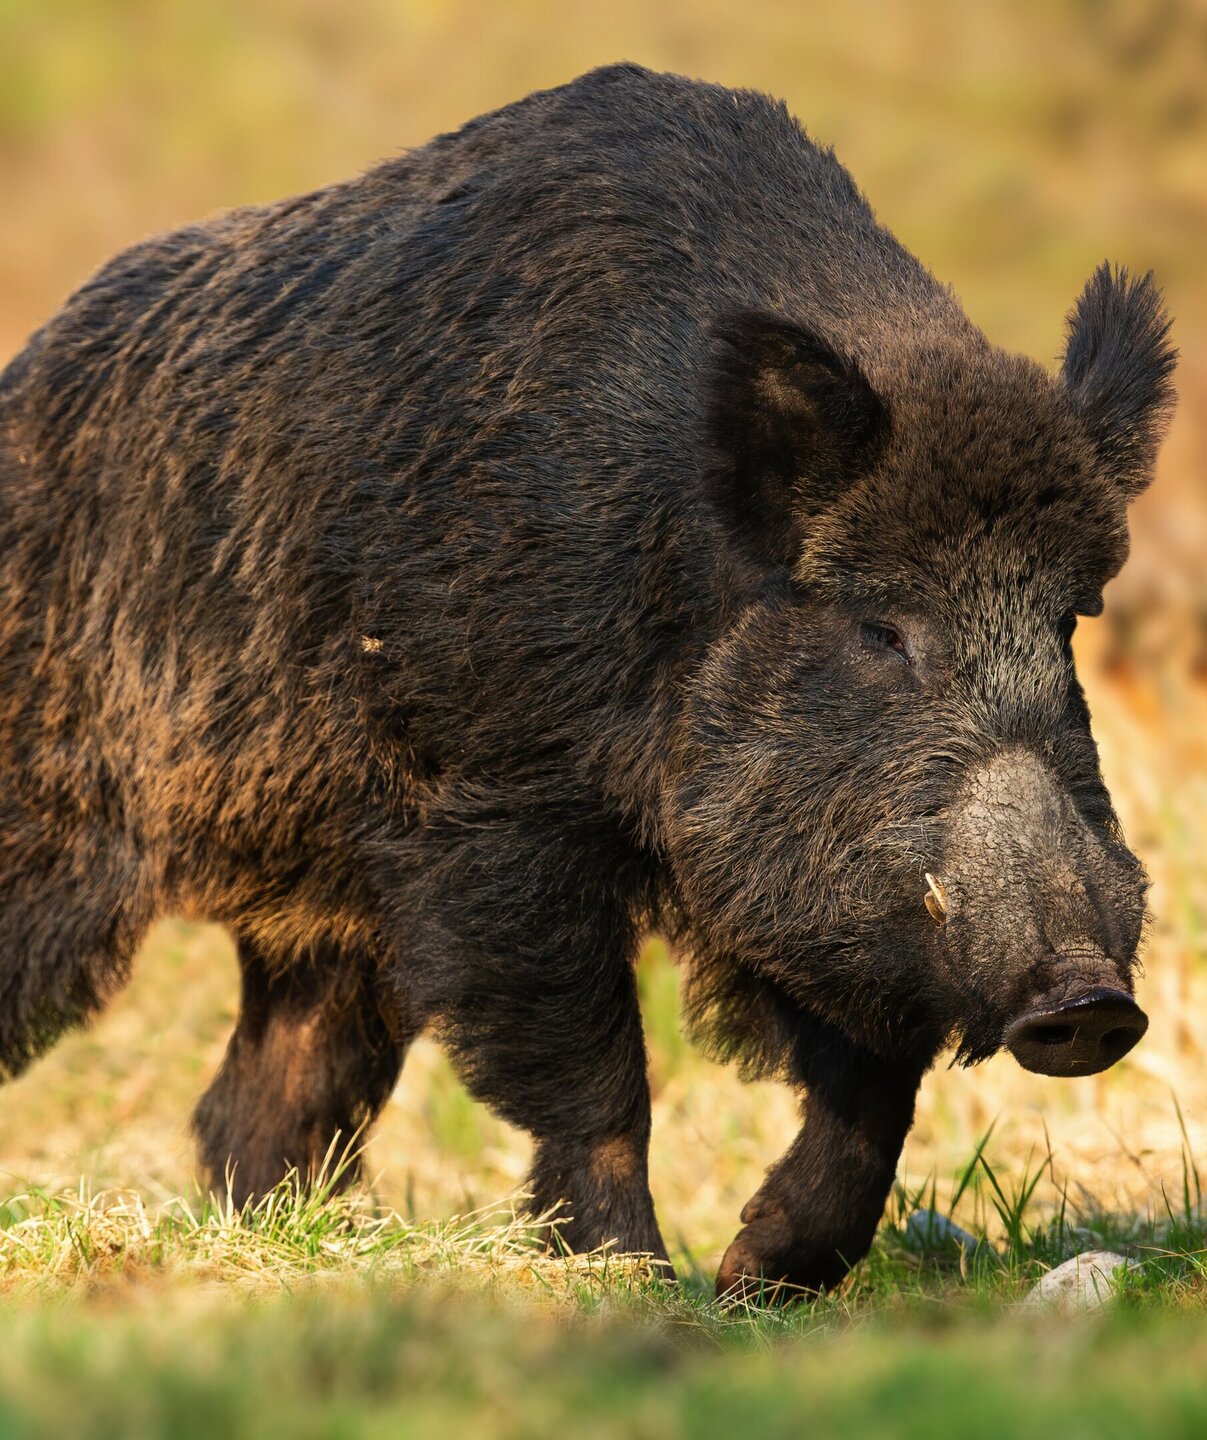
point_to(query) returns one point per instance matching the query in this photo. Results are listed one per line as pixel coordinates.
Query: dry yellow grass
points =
(1010, 145)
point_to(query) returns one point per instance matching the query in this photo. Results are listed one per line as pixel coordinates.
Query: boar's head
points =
(886, 805)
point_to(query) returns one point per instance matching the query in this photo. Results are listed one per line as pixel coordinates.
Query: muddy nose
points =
(1078, 1037)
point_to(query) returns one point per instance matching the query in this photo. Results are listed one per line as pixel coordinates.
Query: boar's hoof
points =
(766, 1264)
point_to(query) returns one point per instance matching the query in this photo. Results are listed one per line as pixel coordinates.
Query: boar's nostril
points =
(1116, 1043)
(1052, 1034)
(935, 898)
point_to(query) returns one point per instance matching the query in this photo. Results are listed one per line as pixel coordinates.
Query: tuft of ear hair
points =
(1118, 368)
(794, 424)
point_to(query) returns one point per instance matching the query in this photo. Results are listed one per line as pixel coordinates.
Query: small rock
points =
(1086, 1238)
(928, 1230)
(1082, 1283)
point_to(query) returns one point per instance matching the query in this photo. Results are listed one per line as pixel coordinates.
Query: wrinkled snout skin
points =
(1045, 908)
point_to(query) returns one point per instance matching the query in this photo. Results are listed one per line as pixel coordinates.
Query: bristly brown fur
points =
(592, 519)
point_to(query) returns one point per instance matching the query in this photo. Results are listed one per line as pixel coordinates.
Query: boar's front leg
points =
(525, 959)
(816, 1213)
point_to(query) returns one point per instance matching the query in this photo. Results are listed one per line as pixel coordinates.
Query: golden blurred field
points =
(1012, 146)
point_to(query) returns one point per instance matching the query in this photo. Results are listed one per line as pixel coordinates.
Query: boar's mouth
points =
(1081, 1036)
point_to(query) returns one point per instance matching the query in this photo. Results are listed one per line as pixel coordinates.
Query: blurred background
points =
(1011, 145)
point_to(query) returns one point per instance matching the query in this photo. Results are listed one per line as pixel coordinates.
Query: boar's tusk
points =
(936, 899)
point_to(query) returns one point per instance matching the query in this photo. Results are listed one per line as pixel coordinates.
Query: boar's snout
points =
(1080, 1036)
(1041, 907)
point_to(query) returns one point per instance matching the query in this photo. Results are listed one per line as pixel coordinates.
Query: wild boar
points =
(592, 521)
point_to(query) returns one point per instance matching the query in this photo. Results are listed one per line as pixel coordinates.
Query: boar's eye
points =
(878, 636)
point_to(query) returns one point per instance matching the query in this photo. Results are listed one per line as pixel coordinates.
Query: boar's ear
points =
(1118, 367)
(794, 423)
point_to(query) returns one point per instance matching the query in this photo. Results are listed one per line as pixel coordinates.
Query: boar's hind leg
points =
(311, 1062)
(816, 1213)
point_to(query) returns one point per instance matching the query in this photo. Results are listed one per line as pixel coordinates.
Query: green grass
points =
(323, 1316)
(368, 1360)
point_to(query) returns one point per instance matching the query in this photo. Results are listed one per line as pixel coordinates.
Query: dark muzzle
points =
(1080, 1036)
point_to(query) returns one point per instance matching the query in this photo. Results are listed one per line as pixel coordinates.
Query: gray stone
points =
(1083, 1283)
(928, 1230)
